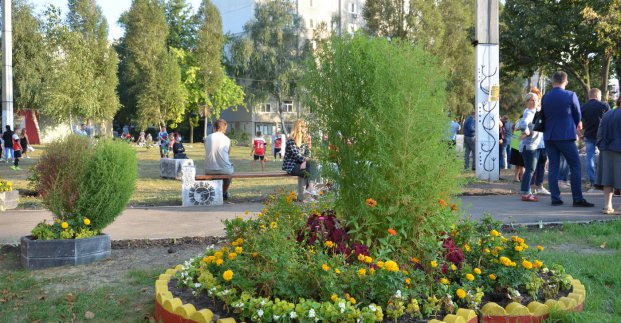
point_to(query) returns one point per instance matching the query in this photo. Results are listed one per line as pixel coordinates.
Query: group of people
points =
(15, 145)
(259, 145)
(296, 156)
(169, 142)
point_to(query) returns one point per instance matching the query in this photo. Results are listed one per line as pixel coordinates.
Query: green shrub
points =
(86, 184)
(382, 103)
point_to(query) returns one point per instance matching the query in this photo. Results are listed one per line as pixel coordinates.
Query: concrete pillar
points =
(487, 88)
(7, 65)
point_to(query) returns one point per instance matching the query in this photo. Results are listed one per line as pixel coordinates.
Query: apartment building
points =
(339, 16)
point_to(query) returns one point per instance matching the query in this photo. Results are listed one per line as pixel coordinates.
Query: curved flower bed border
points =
(169, 309)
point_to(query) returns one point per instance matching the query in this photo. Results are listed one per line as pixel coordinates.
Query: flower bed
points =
(295, 263)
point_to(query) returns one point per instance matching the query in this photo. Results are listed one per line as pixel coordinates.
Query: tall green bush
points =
(79, 179)
(382, 106)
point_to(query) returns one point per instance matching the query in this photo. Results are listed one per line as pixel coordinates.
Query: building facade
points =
(339, 16)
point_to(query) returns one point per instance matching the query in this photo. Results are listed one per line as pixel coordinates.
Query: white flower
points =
(293, 315)
(194, 293)
(276, 317)
(311, 313)
(372, 308)
(398, 294)
(197, 285)
(262, 302)
(260, 313)
(342, 306)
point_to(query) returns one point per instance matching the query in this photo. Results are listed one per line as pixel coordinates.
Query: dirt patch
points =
(151, 256)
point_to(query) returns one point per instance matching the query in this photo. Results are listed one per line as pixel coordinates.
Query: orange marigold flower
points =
(329, 244)
(325, 267)
(408, 281)
(392, 232)
(454, 207)
(442, 203)
(371, 202)
(415, 260)
(492, 276)
(527, 264)
(537, 264)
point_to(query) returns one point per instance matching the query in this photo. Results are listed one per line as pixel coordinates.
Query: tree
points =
(151, 79)
(210, 44)
(386, 18)
(181, 25)
(270, 56)
(30, 58)
(555, 35)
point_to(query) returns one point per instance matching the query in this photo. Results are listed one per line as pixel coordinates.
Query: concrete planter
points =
(39, 254)
(9, 200)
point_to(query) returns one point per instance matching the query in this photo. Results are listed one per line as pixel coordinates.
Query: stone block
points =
(9, 200)
(199, 193)
(173, 168)
(39, 254)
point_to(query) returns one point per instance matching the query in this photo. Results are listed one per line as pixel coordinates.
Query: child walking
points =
(17, 151)
(258, 150)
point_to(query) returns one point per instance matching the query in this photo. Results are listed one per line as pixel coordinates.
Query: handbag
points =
(539, 121)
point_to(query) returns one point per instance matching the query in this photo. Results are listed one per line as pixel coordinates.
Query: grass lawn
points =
(151, 190)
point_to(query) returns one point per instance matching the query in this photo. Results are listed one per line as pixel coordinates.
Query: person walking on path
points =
(469, 142)
(592, 113)
(609, 166)
(528, 146)
(258, 151)
(506, 147)
(7, 137)
(454, 127)
(24, 142)
(17, 151)
(218, 148)
(562, 121)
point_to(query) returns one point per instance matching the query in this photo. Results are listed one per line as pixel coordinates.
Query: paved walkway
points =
(177, 222)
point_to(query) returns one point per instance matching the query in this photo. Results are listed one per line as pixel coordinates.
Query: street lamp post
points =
(7, 65)
(487, 90)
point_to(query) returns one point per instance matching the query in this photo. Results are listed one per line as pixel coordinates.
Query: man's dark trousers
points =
(554, 149)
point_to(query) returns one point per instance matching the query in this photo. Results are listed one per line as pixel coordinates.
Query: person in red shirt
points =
(278, 141)
(258, 150)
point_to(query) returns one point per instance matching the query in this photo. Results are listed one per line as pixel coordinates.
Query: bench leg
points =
(301, 188)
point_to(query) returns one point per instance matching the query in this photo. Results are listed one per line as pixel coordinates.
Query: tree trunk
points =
(191, 131)
(605, 76)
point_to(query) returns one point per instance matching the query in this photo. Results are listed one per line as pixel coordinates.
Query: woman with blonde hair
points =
(529, 143)
(295, 161)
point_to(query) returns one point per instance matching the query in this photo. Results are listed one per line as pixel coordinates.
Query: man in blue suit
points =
(562, 121)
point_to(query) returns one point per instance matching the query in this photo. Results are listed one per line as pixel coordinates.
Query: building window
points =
(267, 129)
(265, 107)
(352, 7)
(287, 106)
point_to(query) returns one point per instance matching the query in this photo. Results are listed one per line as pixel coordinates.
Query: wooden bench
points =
(206, 190)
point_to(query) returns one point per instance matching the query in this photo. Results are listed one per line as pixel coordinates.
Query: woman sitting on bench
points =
(294, 162)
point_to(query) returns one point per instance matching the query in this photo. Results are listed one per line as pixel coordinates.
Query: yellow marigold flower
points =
(505, 261)
(494, 233)
(239, 250)
(255, 254)
(380, 264)
(513, 264)
(540, 248)
(486, 250)
(372, 271)
(225, 249)
(334, 297)
(219, 262)
(329, 244)
(273, 225)
(262, 227)
(371, 202)
(470, 277)
(494, 253)
(527, 264)
(434, 264)
(453, 267)
(240, 241)
(87, 221)
(444, 281)
(391, 266)
(514, 238)
(218, 254)
(492, 276)
(477, 271)
(498, 248)
(352, 300)
(205, 259)
(368, 259)
(408, 281)
(467, 247)
(232, 256)
(325, 267)
(461, 293)
(520, 240)
(360, 257)
(362, 272)
(537, 264)
(336, 270)
(64, 225)
(519, 248)
(57, 220)
(227, 275)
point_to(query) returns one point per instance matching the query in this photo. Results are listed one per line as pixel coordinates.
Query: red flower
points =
(392, 232)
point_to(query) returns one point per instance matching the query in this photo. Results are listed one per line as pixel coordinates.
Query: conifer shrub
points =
(85, 183)
(380, 105)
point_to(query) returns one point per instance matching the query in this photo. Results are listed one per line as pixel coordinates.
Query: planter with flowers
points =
(86, 184)
(389, 246)
(9, 198)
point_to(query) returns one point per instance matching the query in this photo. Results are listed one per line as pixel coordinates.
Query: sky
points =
(112, 9)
